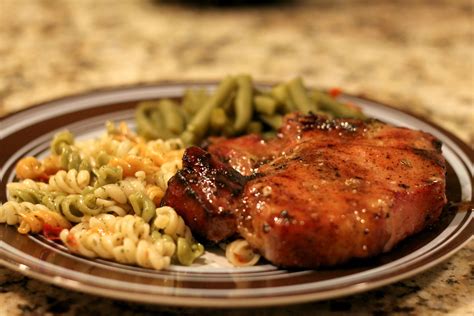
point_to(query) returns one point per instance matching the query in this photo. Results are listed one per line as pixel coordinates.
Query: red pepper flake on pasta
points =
(52, 232)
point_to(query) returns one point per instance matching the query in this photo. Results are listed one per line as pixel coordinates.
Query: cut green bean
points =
(289, 106)
(280, 93)
(145, 126)
(265, 104)
(172, 118)
(234, 108)
(298, 94)
(198, 125)
(273, 121)
(218, 119)
(254, 127)
(228, 104)
(243, 103)
(338, 109)
(269, 135)
(193, 100)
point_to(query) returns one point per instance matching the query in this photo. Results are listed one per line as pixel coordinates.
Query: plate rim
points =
(203, 301)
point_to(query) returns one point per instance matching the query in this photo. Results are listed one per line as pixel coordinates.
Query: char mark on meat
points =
(205, 193)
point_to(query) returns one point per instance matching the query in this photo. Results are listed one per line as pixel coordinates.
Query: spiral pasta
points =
(37, 220)
(124, 239)
(10, 211)
(171, 224)
(240, 254)
(121, 190)
(168, 222)
(71, 181)
(167, 170)
(24, 194)
(30, 217)
(28, 184)
(76, 206)
(99, 197)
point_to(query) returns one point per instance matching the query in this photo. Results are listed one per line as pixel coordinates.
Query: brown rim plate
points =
(212, 282)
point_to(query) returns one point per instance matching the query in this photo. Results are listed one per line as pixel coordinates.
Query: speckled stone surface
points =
(416, 55)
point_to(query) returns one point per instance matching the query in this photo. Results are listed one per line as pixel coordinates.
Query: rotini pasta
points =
(99, 198)
(125, 239)
(168, 222)
(121, 190)
(71, 181)
(28, 184)
(30, 168)
(31, 217)
(37, 220)
(239, 253)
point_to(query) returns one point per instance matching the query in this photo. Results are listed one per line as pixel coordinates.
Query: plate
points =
(212, 282)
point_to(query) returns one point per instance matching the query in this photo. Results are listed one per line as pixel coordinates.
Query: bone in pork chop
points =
(321, 193)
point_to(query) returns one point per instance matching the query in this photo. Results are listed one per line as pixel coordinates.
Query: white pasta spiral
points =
(120, 191)
(167, 170)
(124, 239)
(71, 181)
(170, 223)
(240, 254)
(35, 221)
(10, 211)
(120, 148)
(28, 184)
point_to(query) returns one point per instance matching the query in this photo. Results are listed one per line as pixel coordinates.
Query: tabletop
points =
(416, 55)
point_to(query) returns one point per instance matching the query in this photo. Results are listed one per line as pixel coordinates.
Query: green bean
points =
(243, 103)
(229, 130)
(199, 123)
(338, 109)
(280, 93)
(187, 137)
(289, 106)
(193, 100)
(269, 135)
(273, 121)
(150, 121)
(228, 104)
(145, 125)
(298, 94)
(265, 104)
(172, 117)
(218, 119)
(254, 127)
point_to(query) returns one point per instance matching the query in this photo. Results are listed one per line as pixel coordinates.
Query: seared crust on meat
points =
(206, 193)
(325, 191)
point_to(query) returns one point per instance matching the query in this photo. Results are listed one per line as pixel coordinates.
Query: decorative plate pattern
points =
(212, 282)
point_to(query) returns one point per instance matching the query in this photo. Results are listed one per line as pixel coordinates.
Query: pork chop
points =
(322, 192)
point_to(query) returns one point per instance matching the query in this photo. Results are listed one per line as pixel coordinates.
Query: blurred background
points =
(417, 55)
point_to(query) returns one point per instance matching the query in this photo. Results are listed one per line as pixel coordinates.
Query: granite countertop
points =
(417, 55)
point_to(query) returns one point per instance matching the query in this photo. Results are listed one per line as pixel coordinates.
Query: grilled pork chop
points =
(321, 193)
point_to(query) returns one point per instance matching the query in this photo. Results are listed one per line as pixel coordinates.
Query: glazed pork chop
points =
(322, 192)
